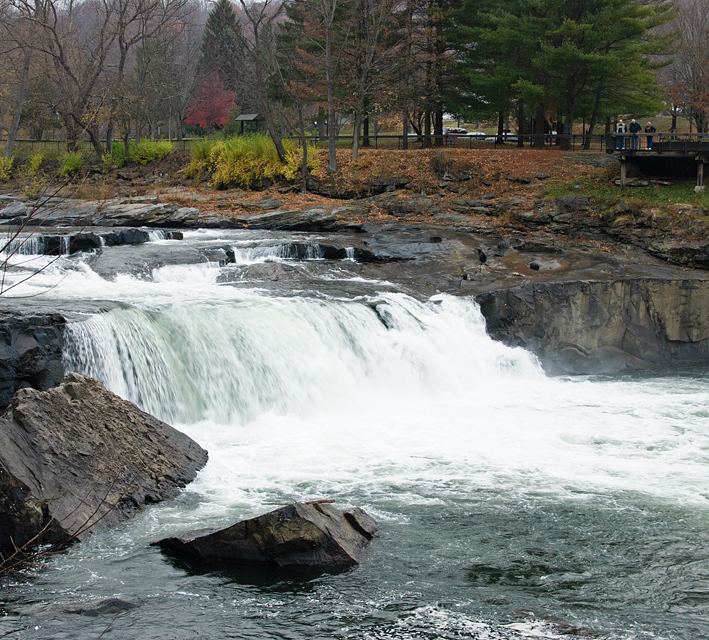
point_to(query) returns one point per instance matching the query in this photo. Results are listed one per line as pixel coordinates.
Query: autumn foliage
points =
(210, 103)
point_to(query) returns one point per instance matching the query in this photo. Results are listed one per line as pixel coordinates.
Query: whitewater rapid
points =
(398, 404)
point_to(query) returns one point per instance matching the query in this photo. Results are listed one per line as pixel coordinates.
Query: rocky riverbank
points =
(588, 287)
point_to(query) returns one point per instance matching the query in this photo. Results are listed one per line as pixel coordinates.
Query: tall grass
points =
(245, 160)
(72, 162)
(6, 168)
(147, 151)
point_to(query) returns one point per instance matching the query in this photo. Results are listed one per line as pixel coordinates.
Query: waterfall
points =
(288, 354)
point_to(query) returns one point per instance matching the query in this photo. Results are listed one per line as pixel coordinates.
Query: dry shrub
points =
(441, 163)
(88, 192)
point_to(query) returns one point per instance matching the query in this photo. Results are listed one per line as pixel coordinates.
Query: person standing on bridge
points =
(649, 130)
(620, 140)
(635, 128)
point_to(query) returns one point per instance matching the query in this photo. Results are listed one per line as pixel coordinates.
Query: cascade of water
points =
(314, 252)
(27, 246)
(156, 235)
(295, 354)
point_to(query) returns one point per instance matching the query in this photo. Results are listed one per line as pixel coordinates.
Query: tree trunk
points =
(332, 130)
(520, 123)
(322, 124)
(109, 138)
(95, 141)
(355, 130)
(22, 92)
(427, 129)
(438, 124)
(539, 127)
(500, 128)
(407, 74)
(566, 141)
(594, 116)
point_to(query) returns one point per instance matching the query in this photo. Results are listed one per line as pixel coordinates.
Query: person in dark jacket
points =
(649, 130)
(635, 128)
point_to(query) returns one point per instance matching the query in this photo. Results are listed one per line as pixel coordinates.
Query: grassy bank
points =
(653, 196)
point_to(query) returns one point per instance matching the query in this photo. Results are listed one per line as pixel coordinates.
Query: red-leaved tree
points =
(210, 103)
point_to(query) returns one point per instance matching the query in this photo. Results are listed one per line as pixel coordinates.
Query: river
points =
(510, 504)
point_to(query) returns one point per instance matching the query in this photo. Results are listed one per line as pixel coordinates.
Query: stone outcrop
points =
(78, 459)
(603, 326)
(332, 188)
(313, 220)
(145, 212)
(30, 352)
(312, 536)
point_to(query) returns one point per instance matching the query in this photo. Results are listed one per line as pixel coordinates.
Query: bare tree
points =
(257, 37)
(371, 18)
(687, 77)
(142, 23)
(16, 34)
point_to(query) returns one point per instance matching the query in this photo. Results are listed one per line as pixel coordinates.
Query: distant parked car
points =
(505, 138)
(476, 134)
(454, 131)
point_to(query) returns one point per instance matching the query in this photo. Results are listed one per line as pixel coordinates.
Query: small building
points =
(250, 123)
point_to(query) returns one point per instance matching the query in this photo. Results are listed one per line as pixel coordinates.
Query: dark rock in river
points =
(108, 607)
(77, 459)
(126, 236)
(313, 536)
(84, 242)
(30, 352)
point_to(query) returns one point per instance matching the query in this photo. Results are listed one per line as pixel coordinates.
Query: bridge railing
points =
(658, 142)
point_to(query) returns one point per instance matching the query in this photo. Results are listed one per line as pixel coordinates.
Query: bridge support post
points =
(623, 172)
(700, 172)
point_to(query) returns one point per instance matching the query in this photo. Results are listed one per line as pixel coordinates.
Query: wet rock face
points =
(308, 537)
(78, 459)
(603, 327)
(30, 352)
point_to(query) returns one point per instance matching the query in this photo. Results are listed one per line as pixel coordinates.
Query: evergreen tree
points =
(222, 53)
(562, 57)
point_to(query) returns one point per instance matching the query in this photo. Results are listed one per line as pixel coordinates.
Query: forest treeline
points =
(122, 69)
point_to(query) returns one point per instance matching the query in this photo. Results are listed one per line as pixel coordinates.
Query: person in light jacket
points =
(620, 141)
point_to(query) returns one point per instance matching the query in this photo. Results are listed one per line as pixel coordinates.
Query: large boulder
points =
(77, 459)
(313, 536)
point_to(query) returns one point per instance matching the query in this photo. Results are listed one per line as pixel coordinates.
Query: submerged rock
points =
(312, 536)
(110, 607)
(77, 459)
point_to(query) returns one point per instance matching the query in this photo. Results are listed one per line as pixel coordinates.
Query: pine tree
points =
(222, 53)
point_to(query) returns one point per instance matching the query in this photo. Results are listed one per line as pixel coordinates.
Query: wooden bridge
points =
(663, 148)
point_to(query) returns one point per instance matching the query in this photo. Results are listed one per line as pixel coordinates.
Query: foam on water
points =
(406, 408)
(365, 394)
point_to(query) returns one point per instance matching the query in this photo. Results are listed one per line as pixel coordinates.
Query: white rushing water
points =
(392, 400)
(375, 389)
